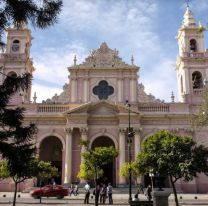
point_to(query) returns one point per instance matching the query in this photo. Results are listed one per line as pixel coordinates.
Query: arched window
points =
(197, 80)
(12, 74)
(193, 45)
(15, 45)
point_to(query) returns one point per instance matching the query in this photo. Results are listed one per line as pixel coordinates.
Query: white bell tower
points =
(16, 59)
(191, 66)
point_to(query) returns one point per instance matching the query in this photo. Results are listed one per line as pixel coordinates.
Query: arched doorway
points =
(51, 151)
(109, 169)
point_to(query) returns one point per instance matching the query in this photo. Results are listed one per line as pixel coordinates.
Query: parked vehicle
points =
(50, 191)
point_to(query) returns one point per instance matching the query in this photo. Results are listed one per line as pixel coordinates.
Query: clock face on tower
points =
(15, 47)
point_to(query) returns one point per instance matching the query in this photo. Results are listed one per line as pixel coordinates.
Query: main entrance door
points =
(51, 151)
(109, 169)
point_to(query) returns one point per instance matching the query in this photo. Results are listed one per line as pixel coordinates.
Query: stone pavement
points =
(119, 200)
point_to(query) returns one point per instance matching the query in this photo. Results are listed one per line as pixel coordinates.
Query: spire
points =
(188, 19)
(132, 60)
(34, 98)
(75, 60)
(172, 97)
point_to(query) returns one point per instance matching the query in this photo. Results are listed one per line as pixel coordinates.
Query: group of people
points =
(147, 192)
(74, 190)
(101, 193)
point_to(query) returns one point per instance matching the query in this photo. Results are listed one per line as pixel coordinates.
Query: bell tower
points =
(16, 59)
(191, 67)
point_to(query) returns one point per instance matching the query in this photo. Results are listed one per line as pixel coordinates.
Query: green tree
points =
(95, 159)
(174, 156)
(4, 173)
(15, 136)
(18, 12)
(124, 171)
(86, 173)
(35, 168)
(42, 170)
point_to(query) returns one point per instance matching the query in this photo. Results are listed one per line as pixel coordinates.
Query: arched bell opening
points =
(197, 80)
(193, 45)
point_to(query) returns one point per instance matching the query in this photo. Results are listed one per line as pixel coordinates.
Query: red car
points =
(50, 191)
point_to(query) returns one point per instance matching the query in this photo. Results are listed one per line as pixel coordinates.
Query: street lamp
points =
(129, 142)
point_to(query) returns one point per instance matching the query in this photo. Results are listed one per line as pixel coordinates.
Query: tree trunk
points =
(96, 201)
(174, 190)
(15, 194)
(41, 193)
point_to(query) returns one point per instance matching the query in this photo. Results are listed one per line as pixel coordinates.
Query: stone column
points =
(83, 137)
(73, 89)
(68, 156)
(122, 143)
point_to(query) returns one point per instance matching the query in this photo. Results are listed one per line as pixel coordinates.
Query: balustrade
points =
(52, 108)
(154, 108)
(195, 54)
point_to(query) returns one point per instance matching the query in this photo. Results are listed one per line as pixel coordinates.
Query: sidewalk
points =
(119, 200)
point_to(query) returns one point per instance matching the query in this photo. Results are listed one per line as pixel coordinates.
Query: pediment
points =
(103, 107)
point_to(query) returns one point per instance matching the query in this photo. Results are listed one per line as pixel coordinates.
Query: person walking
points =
(71, 189)
(97, 194)
(140, 189)
(87, 193)
(110, 193)
(103, 193)
(149, 193)
(76, 188)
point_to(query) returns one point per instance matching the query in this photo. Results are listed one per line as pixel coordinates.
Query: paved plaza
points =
(119, 200)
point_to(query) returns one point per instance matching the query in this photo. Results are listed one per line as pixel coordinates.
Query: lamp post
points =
(129, 142)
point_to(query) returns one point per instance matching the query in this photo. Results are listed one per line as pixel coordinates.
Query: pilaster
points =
(73, 89)
(120, 89)
(86, 89)
(133, 93)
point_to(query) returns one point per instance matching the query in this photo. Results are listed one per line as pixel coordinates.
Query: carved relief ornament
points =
(68, 130)
(104, 57)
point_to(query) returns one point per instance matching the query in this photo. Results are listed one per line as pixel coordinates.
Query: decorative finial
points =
(172, 97)
(187, 3)
(132, 60)
(75, 60)
(34, 98)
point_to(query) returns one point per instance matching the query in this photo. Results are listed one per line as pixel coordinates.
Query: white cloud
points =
(162, 81)
(43, 92)
(51, 69)
(126, 25)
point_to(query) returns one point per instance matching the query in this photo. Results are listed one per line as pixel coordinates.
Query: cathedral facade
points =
(93, 107)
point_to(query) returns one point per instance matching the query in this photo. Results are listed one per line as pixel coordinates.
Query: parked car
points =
(50, 191)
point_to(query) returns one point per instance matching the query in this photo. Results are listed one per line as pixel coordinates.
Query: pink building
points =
(92, 105)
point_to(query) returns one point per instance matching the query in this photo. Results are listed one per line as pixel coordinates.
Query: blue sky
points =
(144, 28)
